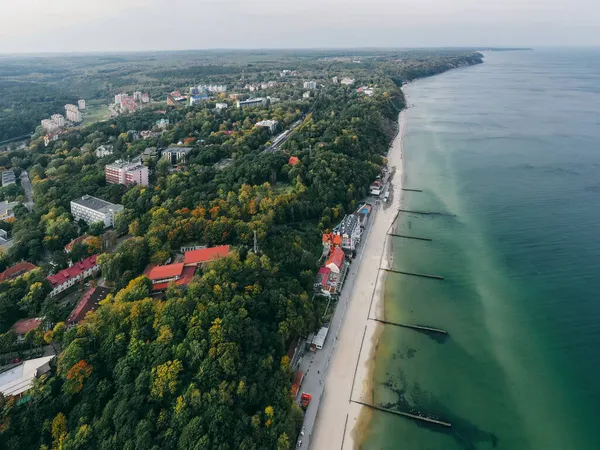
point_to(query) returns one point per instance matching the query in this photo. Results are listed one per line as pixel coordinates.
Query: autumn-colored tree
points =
(76, 376)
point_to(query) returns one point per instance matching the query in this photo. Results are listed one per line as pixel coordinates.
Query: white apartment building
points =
(310, 85)
(270, 124)
(176, 154)
(137, 96)
(220, 106)
(126, 172)
(49, 125)
(59, 119)
(91, 210)
(347, 81)
(81, 104)
(73, 113)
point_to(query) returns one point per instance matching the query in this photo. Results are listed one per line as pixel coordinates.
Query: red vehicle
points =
(305, 400)
(16, 361)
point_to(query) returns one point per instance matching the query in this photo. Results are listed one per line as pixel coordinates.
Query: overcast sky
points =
(125, 25)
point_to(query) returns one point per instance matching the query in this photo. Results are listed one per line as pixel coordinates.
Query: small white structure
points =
(310, 85)
(19, 379)
(81, 104)
(220, 106)
(319, 340)
(104, 150)
(347, 81)
(91, 210)
(270, 124)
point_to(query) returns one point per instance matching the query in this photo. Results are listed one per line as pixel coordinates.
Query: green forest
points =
(203, 367)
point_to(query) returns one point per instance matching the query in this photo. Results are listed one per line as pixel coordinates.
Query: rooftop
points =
(348, 225)
(16, 271)
(97, 204)
(88, 302)
(205, 255)
(20, 378)
(156, 273)
(72, 272)
(178, 150)
(336, 257)
(24, 326)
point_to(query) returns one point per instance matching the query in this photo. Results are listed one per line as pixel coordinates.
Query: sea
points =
(506, 155)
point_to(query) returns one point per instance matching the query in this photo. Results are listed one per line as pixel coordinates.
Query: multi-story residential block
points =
(49, 125)
(253, 102)
(8, 178)
(81, 104)
(310, 85)
(104, 150)
(270, 124)
(137, 96)
(145, 97)
(126, 172)
(92, 210)
(176, 155)
(73, 113)
(59, 119)
(66, 278)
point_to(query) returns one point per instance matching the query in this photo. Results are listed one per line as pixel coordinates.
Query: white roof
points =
(20, 379)
(319, 339)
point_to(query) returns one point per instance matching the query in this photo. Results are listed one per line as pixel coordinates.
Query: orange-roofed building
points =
(293, 160)
(331, 240)
(204, 255)
(16, 271)
(161, 276)
(24, 326)
(336, 260)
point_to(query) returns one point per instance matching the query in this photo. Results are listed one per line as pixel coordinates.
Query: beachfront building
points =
(79, 271)
(91, 210)
(349, 230)
(363, 214)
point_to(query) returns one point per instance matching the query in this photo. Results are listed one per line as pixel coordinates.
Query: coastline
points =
(342, 423)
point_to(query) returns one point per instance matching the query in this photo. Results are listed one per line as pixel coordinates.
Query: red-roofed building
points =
(24, 326)
(293, 160)
(88, 302)
(161, 276)
(68, 277)
(204, 255)
(336, 260)
(16, 271)
(78, 240)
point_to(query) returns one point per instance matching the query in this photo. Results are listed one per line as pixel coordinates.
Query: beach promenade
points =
(348, 371)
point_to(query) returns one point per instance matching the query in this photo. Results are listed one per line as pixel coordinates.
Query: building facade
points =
(310, 85)
(73, 113)
(253, 102)
(8, 178)
(91, 210)
(66, 278)
(349, 230)
(81, 104)
(126, 172)
(176, 155)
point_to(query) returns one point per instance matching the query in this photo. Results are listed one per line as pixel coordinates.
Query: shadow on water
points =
(465, 433)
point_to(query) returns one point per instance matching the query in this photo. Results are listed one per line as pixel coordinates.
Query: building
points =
(331, 240)
(270, 124)
(81, 104)
(319, 340)
(24, 326)
(293, 160)
(376, 188)
(176, 155)
(252, 103)
(80, 240)
(17, 381)
(347, 81)
(363, 214)
(88, 302)
(149, 154)
(126, 172)
(49, 125)
(59, 119)
(7, 210)
(119, 97)
(334, 80)
(306, 94)
(50, 137)
(145, 97)
(73, 113)
(104, 150)
(8, 178)
(190, 247)
(162, 276)
(349, 230)
(194, 99)
(16, 271)
(68, 277)
(220, 106)
(336, 260)
(310, 85)
(91, 210)
(204, 255)
(137, 96)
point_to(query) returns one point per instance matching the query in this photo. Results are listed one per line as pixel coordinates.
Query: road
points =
(26, 185)
(315, 365)
(275, 147)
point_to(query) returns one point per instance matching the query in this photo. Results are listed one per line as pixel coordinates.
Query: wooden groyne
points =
(410, 237)
(412, 190)
(422, 275)
(405, 414)
(413, 327)
(425, 213)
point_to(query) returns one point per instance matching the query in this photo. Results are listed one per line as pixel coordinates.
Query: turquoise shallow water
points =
(509, 152)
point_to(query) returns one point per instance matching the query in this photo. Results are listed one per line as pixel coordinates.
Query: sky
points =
(33, 26)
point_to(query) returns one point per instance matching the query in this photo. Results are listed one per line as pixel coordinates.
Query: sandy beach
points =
(340, 422)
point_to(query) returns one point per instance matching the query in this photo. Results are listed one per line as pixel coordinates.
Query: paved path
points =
(26, 185)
